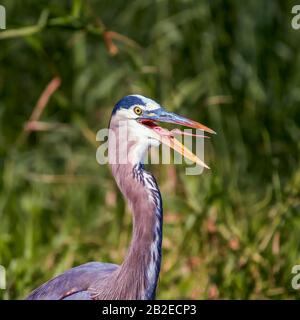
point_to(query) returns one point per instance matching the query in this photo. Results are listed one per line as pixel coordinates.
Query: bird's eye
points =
(138, 111)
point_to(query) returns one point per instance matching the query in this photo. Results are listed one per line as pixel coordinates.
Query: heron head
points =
(141, 116)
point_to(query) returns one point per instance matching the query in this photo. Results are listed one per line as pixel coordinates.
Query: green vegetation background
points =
(232, 232)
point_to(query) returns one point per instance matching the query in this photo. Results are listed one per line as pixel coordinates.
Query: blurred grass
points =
(232, 232)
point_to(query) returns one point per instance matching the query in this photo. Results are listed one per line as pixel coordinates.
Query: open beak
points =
(167, 137)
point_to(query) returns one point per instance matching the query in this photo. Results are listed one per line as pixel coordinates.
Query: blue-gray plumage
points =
(137, 276)
(73, 283)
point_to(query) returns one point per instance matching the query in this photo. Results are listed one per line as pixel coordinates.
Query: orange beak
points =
(167, 137)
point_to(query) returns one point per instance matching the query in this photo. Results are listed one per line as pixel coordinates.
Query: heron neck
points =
(140, 270)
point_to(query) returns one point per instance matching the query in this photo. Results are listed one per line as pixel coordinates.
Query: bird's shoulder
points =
(74, 283)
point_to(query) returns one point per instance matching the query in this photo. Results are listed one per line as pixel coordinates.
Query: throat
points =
(140, 270)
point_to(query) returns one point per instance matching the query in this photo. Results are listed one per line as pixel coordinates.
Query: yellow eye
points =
(138, 111)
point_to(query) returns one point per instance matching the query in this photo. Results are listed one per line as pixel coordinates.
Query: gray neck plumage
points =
(138, 274)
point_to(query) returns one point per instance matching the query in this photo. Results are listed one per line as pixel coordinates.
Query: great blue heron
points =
(136, 277)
